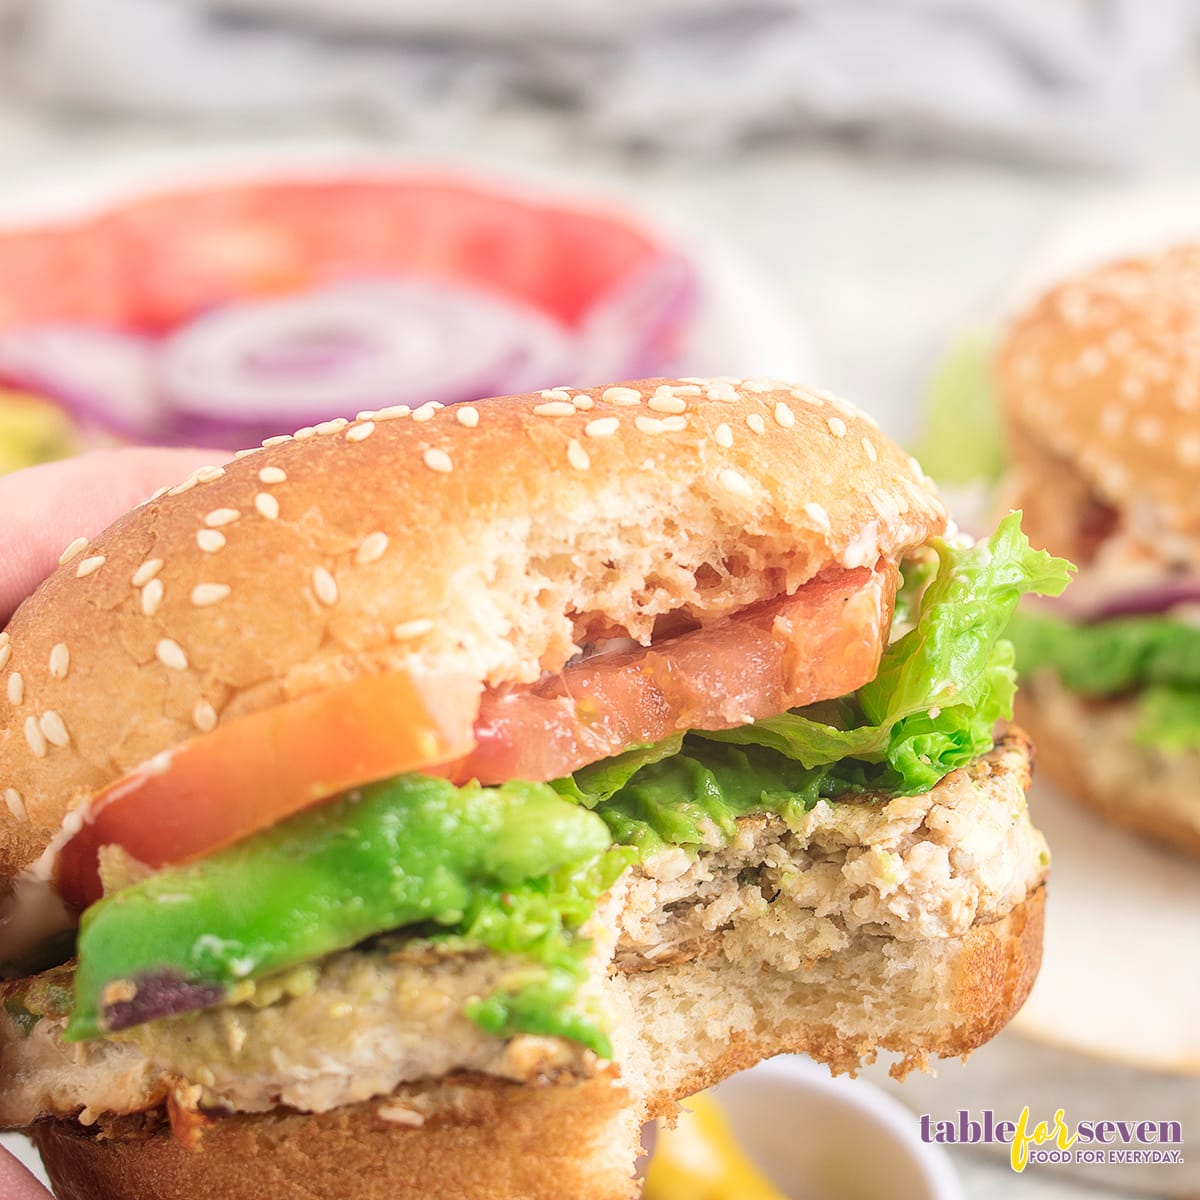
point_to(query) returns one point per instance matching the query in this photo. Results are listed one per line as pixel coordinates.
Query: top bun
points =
(491, 538)
(1100, 384)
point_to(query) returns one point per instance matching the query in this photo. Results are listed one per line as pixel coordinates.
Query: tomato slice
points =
(258, 769)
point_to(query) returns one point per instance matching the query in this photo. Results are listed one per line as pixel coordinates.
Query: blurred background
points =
(835, 189)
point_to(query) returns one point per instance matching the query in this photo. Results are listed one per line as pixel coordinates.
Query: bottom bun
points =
(480, 1139)
(680, 1028)
(1089, 749)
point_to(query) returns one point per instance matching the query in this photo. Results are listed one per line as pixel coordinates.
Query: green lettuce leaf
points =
(960, 441)
(1108, 657)
(1169, 719)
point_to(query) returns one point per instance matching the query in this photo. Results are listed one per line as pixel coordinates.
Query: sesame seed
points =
(555, 408)
(649, 424)
(360, 433)
(324, 586)
(622, 396)
(210, 540)
(54, 729)
(392, 412)
(89, 566)
(303, 434)
(602, 427)
(5, 654)
(16, 805)
(366, 415)
(583, 402)
(424, 413)
(208, 474)
(467, 416)
(816, 399)
(186, 486)
(1119, 342)
(16, 688)
(836, 426)
(171, 654)
(35, 737)
(204, 716)
(72, 550)
(817, 514)
(756, 423)
(757, 385)
(204, 595)
(869, 447)
(1148, 429)
(1133, 387)
(334, 426)
(784, 415)
(668, 403)
(266, 505)
(412, 629)
(1112, 420)
(146, 572)
(725, 392)
(159, 493)
(555, 394)
(724, 435)
(272, 475)
(400, 1114)
(371, 549)
(60, 661)
(734, 481)
(246, 453)
(577, 456)
(438, 460)
(1189, 449)
(221, 516)
(675, 424)
(277, 440)
(152, 596)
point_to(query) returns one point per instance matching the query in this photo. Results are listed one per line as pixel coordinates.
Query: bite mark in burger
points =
(599, 776)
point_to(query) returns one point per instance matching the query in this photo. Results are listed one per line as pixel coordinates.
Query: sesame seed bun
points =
(1099, 382)
(489, 539)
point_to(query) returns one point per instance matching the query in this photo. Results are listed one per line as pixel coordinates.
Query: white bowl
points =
(821, 1138)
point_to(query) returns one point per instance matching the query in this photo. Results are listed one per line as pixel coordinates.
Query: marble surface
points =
(876, 260)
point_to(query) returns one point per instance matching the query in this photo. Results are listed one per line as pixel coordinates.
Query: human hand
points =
(42, 509)
(16, 1183)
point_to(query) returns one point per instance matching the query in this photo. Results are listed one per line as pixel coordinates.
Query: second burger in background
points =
(1099, 384)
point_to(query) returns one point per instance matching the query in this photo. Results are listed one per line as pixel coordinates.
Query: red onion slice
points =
(1151, 599)
(631, 331)
(103, 378)
(272, 365)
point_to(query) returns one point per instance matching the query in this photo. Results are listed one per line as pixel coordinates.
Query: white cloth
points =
(1068, 81)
